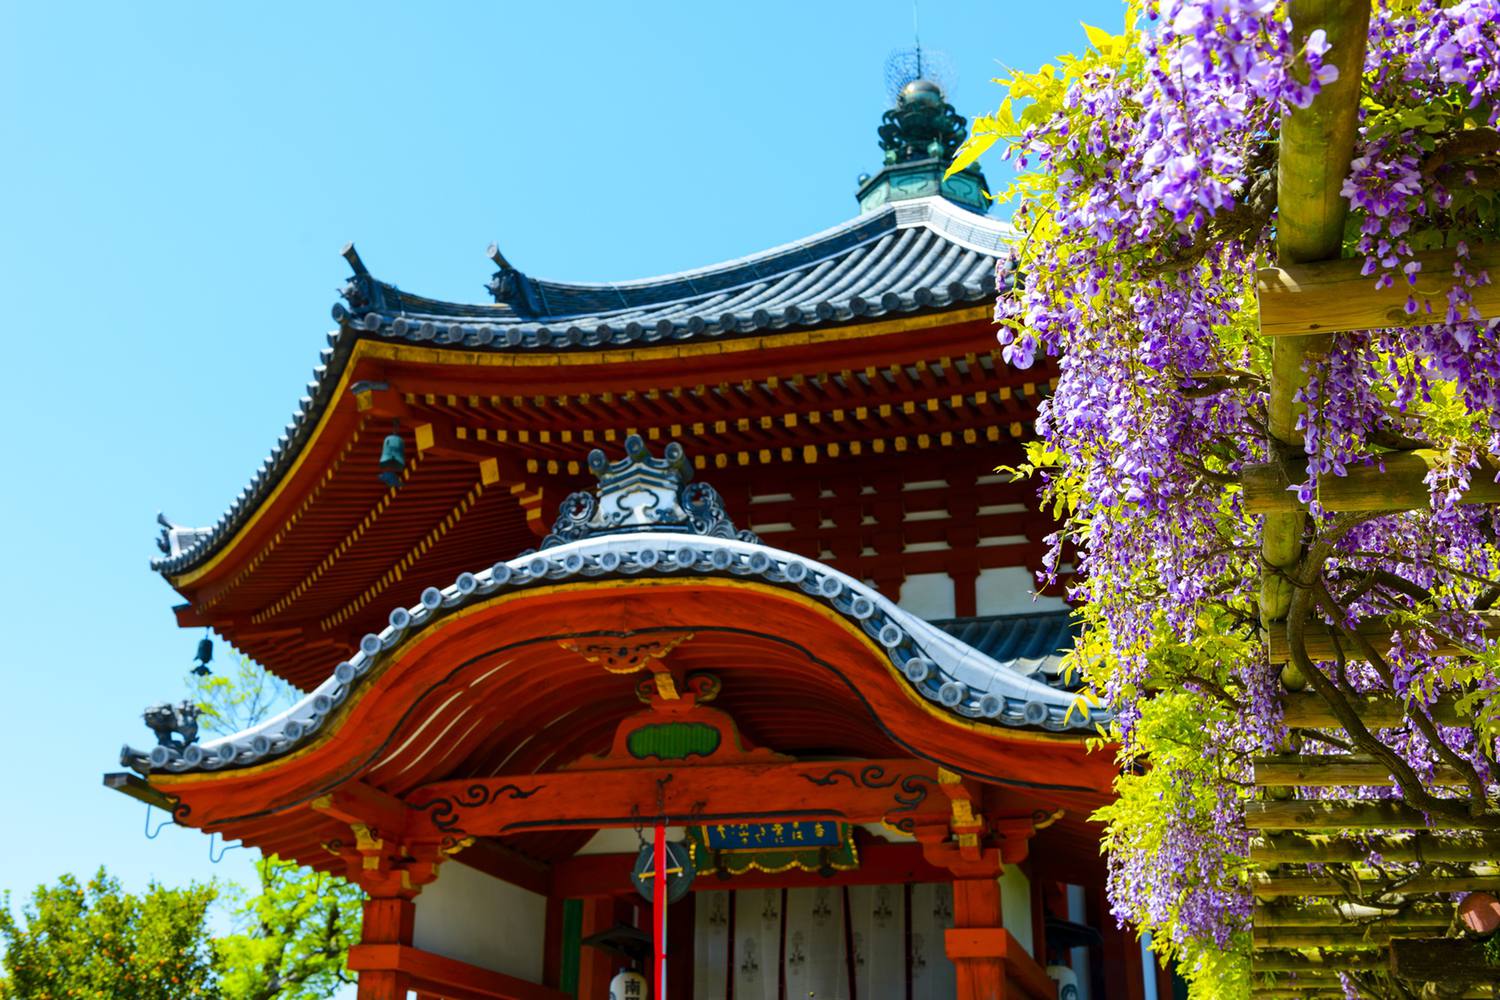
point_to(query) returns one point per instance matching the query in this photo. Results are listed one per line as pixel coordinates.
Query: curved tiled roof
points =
(1034, 644)
(954, 675)
(912, 256)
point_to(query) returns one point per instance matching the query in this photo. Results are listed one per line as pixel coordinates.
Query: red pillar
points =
(387, 920)
(975, 942)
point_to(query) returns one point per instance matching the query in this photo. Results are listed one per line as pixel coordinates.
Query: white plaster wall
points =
(928, 595)
(623, 840)
(1015, 907)
(472, 917)
(1011, 590)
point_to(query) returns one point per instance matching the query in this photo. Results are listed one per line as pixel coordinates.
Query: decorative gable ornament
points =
(641, 492)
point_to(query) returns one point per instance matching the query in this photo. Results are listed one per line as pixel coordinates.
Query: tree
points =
(291, 940)
(97, 941)
(232, 702)
(1148, 199)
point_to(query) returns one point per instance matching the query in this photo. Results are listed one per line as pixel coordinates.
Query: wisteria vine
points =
(1147, 201)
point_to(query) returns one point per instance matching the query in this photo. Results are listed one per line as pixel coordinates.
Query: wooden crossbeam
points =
(1336, 770)
(357, 803)
(1407, 848)
(1278, 886)
(854, 791)
(1331, 296)
(1400, 485)
(138, 788)
(1416, 915)
(1323, 643)
(1278, 961)
(1345, 938)
(1310, 711)
(1348, 814)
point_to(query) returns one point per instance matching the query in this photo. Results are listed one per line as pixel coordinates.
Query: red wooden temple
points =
(722, 552)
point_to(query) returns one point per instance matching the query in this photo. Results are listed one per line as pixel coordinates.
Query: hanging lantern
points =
(205, 655)
(628, 985)
(392, 460)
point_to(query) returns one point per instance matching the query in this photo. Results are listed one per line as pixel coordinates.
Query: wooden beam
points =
(1442, 960)
(1329, 296)
(1311, 979)
(1276, 886)
(1400, 485)
(1349, 814)
(1309, 711)
(1336, 771)
(853, 791)
(1323, 643)
(447, 977)
(139, 789)
(1404, 849)
(1347, 938)
(879, 864)
(1273, 961)
(358, 803)
(1415, 847)
(1349, 914)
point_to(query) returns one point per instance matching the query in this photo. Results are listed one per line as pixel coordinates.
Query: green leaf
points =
(971, 150)
(1100, 39)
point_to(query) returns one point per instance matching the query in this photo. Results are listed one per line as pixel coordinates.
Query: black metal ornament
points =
(204, 657)
(680, 871)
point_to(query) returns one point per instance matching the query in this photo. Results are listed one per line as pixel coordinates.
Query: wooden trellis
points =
(1319, 910)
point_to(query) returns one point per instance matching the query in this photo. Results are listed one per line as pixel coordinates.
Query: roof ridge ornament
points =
(507, 286)
(641, 492)
(919, 136)
(358, 291)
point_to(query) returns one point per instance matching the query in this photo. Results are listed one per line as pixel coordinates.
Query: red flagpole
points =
(659, 922)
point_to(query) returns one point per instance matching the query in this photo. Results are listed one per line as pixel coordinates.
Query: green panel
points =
(673, 740)
(572, 938)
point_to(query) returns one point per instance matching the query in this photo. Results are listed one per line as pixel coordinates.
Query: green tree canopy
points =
(291, 940)
(98, 942)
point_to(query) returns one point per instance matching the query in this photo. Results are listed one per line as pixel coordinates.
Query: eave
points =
(812, 661)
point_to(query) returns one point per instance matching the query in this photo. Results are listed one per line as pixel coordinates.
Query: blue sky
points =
(176, 181)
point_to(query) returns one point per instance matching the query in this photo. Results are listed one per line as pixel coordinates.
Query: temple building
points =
(709, 575)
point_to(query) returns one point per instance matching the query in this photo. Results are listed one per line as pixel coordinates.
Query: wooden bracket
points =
(381, 860)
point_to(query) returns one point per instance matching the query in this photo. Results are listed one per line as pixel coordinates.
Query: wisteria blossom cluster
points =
(1147, 203)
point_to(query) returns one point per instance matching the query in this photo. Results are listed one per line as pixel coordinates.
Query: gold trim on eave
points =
(169, 781)
(381, 350)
